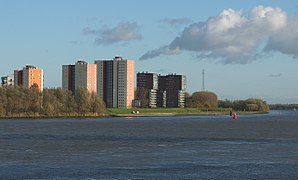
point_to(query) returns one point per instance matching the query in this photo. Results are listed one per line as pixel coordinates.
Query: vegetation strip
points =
(20, 102)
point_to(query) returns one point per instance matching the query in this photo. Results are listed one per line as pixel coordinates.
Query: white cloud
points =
(286, 40)
(229, 37)
(123, 32)
(274, 18)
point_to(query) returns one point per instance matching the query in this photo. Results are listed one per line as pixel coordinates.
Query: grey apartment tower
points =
(115, 82)
(79, 75)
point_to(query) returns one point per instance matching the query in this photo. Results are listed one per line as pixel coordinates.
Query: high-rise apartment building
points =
(171, 90)
(29, 76)
(115, 82)
(68, 77)
(147, 87)
(80, 75)
(85, 76)
(161, 91)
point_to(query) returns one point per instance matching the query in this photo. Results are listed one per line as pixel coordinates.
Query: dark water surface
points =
(251, 147)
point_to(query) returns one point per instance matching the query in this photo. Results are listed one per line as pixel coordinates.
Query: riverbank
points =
(145, 112)
(175, 112)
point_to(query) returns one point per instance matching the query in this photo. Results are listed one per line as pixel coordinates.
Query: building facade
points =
(161, 91)
(80, 75)
(7, 81)
(85, 76)
(147, 87)
(172, 90)
(115, 82)
(29, 76)
(68, 77)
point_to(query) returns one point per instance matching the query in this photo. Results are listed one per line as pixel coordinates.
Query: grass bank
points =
(137, 112)
(166, 111)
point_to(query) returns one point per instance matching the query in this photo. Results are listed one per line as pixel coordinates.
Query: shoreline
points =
(211, 113)
(214, 113)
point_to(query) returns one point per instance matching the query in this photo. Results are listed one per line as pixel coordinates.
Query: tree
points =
(3, 101)
(203, 99)
(246, 105)
(34, 97)
(225, 104)
(15, 96)
(49, 102)
(143, 97)
(97, 105)
(58, 102)
(82, 98)
(70, 103)
(20, 101)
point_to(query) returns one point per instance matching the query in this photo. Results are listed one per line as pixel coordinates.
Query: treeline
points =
(245, 105)
(206, 99)
(283, 106)
(20, 101)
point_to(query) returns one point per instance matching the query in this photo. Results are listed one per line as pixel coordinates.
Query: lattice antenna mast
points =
(203, 80)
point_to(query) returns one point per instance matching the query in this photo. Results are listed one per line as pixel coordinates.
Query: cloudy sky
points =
(247, 48)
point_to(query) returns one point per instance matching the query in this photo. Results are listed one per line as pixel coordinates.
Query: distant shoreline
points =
(186, 114)
(171, 114)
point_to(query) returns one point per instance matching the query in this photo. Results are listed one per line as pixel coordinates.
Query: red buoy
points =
(235, 116)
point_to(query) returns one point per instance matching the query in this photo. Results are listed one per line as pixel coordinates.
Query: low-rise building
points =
(7, 80)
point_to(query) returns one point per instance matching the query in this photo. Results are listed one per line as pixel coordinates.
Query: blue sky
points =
(247, 48)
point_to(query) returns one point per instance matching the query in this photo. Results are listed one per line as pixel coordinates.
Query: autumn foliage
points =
(20, 101)
(202, 99)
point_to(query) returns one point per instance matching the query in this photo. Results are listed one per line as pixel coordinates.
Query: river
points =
(261, 146)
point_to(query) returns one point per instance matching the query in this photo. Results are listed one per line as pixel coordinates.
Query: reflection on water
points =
(251, 147)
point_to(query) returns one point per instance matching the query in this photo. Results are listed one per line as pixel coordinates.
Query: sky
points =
(248, 49)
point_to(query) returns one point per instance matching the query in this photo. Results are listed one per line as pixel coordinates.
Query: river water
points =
(194, 147)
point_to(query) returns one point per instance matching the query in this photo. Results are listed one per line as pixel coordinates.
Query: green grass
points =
(112, 111)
